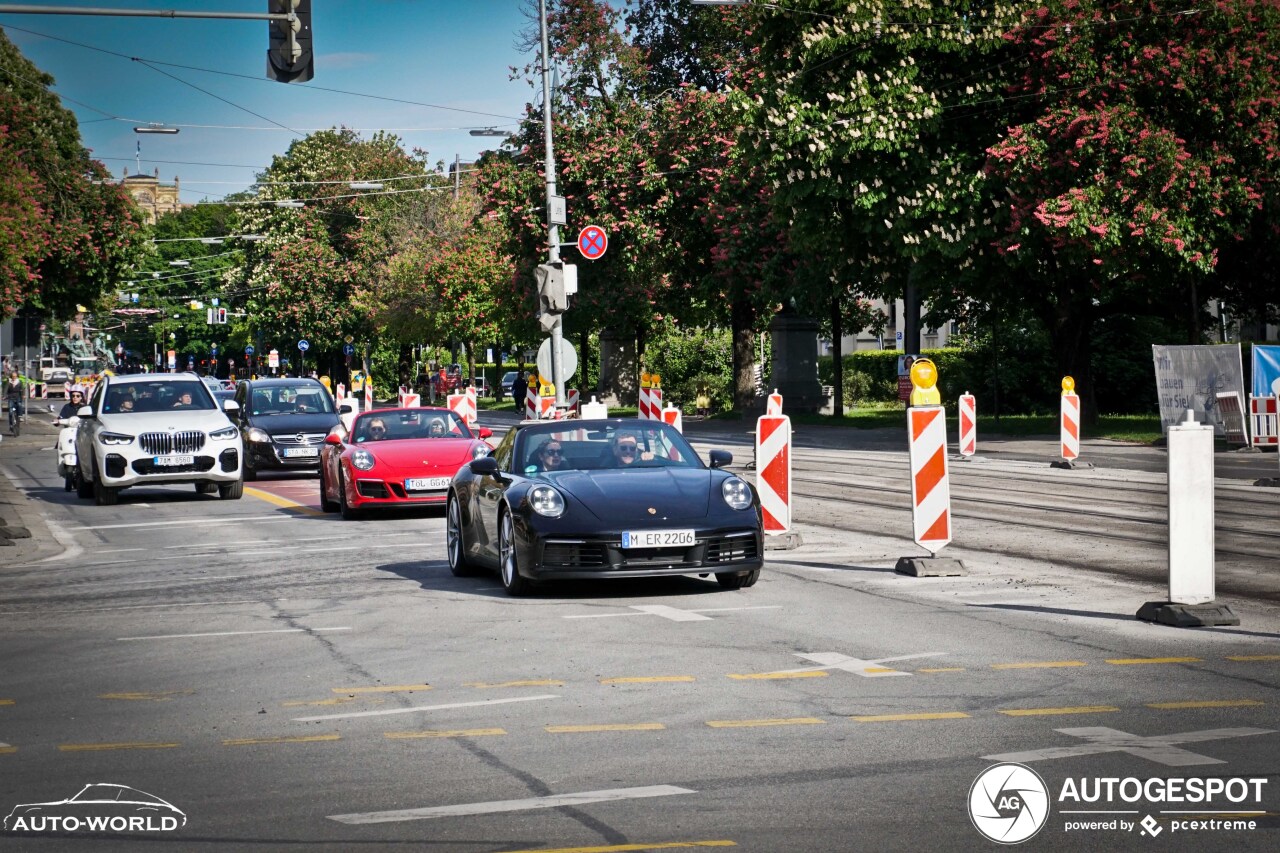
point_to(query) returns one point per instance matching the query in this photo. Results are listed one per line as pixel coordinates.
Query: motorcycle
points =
(67, 462)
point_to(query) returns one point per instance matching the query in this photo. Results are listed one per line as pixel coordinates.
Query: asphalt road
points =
(291, 681)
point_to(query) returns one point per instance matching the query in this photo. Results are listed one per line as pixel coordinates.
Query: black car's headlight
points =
(259, 436)
(362, 459)
(546, 501)
(115, 438)
(737, 493)
(224, 433)
(479, 450)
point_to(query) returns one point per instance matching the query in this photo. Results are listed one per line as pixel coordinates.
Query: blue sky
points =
(447, 53)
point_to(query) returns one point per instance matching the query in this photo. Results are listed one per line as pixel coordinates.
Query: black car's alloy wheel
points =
(512, 582)
(455, 541)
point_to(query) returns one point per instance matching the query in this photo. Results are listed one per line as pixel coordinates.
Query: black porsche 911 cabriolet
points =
(602, 499)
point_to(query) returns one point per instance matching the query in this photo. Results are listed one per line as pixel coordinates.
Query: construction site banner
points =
(1191, 377)
(1266, 370)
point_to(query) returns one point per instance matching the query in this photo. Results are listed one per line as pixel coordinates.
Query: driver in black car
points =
(626, 449)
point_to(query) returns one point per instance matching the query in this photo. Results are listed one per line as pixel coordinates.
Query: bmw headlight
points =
(115, 438)
(362, 459)
(479, 450)
(546, 501)
(224, 433)
(259, 436)
(737, 493)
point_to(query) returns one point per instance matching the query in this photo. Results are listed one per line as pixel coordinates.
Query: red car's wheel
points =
(326, 505)
(349, 512)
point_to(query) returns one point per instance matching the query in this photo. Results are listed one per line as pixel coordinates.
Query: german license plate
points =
(302, 451)
(172, 461)
(657, 538)
(426, 484)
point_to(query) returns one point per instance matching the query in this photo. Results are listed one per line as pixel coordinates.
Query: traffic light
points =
(289, 55)
(220, 315)
(552, 300)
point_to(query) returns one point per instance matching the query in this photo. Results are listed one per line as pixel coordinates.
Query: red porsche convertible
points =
(396, 458)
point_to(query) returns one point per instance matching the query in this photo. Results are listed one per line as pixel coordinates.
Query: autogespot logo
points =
(1009, 803)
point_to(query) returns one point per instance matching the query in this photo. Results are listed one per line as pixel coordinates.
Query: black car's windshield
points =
(126, 398)
(626, 445)
(291, 400)
(400, 424)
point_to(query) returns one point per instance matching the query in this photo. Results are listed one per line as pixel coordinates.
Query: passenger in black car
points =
(551, 456)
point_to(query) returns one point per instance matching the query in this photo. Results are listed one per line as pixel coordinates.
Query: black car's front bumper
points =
(556, 556)
(270, 457)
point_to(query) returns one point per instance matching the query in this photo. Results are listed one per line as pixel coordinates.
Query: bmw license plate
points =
(302, 451)
(657, 539)
(172, 461)
(426, 484)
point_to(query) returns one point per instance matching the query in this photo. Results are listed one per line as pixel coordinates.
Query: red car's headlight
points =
(362, 459)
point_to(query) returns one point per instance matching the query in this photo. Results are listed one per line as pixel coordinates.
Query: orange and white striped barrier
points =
(546, 406)
(655, 397)
(473, 404)
(773, 406)
(968, 425)
(340, 391)
(1265, 420)
(531, 402)
(463, 405)
(409, 401)
(368, 394)
(673, 417)
(1070, 419)
(573, 399)
(773, 472)
(930, 482)
(644, 405)
(1231, 413)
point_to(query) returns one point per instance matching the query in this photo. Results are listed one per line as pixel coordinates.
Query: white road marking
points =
(1160, 749)
(673, 613)
(423, 708)
(127, 607)
(234, 633)
(865, 668)
(552, 802)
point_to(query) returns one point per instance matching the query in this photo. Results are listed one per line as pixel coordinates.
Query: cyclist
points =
(15, 390)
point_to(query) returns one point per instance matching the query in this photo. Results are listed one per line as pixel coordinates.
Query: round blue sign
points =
(248, 350)
(303, 345)
(348, 349)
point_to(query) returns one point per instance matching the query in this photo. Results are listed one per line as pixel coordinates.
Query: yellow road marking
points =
(338, 700)
(622, 848)
(1253, 657)
(1051, 664)
(1083, 709)
(281, 502)
(442, 733)
(544, 683)
(813, 673)
(390, 688)
(8, 750)
(99, 747)
(893, 718)
(6, 701)
(1128, 661)
(254, 741)
(1210, 703)
(616, 727)
(645, 679)
(943, 669)
(164, 696)
(879, 669)
(742, 724)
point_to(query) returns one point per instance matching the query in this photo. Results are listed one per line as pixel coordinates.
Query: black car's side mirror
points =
(344, 409)
(721, 458)
(485, 466)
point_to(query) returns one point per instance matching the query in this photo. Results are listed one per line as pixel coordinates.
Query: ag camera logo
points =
(1009, 803)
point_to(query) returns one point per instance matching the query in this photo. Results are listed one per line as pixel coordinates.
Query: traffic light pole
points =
(553, 230)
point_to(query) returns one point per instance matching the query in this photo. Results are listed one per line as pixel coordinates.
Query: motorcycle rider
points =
(74, 403)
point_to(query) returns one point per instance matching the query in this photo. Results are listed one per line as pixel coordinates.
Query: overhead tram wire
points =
(146, 64)
(256, 79)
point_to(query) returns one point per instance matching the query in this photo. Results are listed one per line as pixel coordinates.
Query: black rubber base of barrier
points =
(1070, 465)
(931, 567)
(1272, 482)
(1187, 615)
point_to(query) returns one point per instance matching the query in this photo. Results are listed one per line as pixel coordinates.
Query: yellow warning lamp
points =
(644, 380)
(655, 381)
(924, 381)
(545, 388)
(1068, 385)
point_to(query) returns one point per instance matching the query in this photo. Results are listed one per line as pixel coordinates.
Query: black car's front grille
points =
(574, 555)
(292, 439)
(731, 549)
(166, 443)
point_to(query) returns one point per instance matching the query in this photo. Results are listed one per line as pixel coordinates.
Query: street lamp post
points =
(553, 230)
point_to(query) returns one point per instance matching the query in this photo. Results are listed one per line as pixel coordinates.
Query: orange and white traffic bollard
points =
(1069, 433)
(655, 397)
(409, 401)
(673, 417)
(773, 406)
(968, 425)
(531, 402)
(643, 407)
(930, 479)
(773, 472)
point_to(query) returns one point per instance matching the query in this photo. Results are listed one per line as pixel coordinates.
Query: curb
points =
(17, 508)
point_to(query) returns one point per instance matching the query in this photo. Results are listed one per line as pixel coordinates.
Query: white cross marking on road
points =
(673, 613)
(858, 666)
(1161, 749)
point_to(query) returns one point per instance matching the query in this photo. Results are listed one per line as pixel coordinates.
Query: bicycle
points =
(15, 417)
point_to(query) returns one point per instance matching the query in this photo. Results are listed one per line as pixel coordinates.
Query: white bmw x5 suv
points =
(156, 428)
